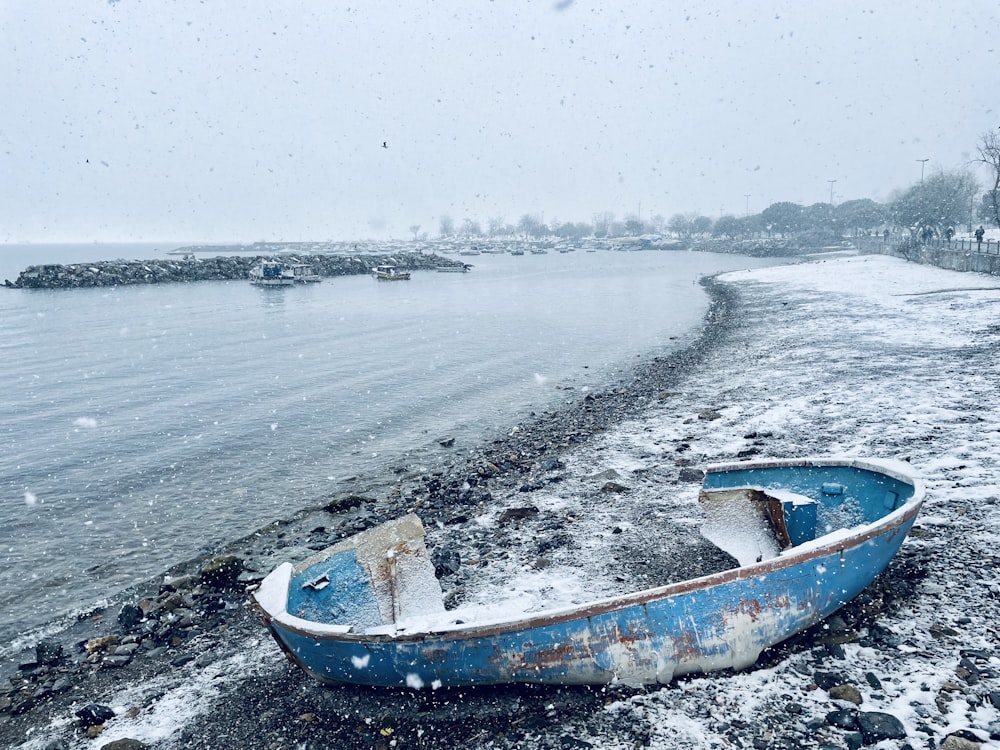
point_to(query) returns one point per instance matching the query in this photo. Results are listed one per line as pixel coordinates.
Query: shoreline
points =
(848, 356)
(511, 454)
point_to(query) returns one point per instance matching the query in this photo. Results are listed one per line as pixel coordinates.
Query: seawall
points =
(954, 257)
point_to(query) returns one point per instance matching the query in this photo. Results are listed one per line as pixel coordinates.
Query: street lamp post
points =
(831, 190)
(922, 163)
(747, 196)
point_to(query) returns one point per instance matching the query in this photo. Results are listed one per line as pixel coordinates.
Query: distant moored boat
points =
(390, 273)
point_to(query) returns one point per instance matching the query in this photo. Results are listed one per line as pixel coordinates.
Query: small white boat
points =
(271, 273)
(276, 273)
(303, 273)
(390, 273)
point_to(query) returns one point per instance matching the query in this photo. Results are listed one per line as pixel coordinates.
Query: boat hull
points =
(710, 623)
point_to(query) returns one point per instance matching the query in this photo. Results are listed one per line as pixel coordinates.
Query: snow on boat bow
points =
(809, 535)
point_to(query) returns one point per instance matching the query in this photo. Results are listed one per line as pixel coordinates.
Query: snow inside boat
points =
(809, 534)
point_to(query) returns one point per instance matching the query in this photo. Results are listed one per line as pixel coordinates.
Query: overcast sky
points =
(265, 119)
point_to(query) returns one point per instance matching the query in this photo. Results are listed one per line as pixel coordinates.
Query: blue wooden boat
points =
(809, 535)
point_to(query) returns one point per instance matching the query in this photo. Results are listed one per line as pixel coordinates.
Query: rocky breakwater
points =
(222, 268)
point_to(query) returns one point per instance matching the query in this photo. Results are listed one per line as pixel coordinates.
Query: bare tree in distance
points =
(989, 154)
(602, 224)
(496, 225)
(470, 228)
(447, 226)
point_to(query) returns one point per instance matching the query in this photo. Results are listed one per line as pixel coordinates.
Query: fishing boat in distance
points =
(271, 273)
(303, 273)
(808, 535)
(390, 273)
(277, 273)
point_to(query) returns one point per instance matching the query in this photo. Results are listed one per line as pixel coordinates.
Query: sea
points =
(141, 426)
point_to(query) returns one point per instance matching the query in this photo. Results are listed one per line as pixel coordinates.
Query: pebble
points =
(846, 693)
(94, 714)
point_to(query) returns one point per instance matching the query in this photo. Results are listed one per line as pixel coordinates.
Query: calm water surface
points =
(142, 425)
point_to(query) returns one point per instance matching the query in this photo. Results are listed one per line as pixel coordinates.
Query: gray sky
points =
(265, 119)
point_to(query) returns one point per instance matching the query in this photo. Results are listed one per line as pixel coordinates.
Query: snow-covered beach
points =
(856, 355)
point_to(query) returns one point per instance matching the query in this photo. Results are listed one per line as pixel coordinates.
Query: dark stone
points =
(827, 680)
(552, 464)
(977, 653)
(178, 583)
(446, 562)
(21, 703)
(518, 514)
(836, 651)
(939, 630)
(873, 680)
(116, 661)
(61, 685)
(688, 474)
(213, 604)
(447, 442)
(221, 572)
(129, 616)
(613, 488)
(970, 671)
(845, 718)
(346, 502)
(995, 698)
(48, 652)
(487, 470)
(94, 714)
(876, 726)
(553, 541)
(124, 744)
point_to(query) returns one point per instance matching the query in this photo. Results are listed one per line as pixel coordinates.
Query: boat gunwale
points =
(796, 556)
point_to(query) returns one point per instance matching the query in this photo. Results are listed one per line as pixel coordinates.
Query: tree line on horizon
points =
(941, 204)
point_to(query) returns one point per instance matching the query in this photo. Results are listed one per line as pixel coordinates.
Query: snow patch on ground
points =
(870, 356)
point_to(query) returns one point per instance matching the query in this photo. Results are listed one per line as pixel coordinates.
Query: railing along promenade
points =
(965, 254)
